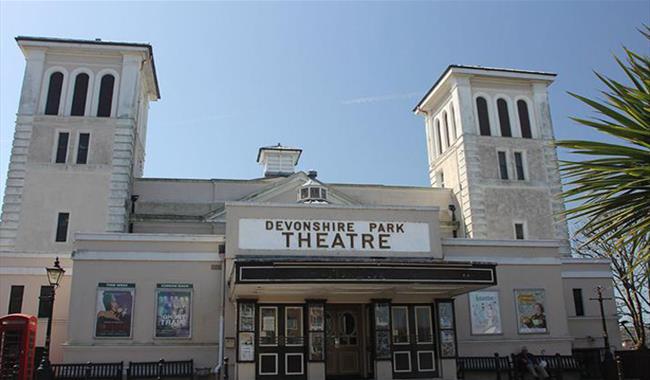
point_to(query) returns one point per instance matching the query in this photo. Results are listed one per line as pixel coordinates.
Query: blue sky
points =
(336, 79)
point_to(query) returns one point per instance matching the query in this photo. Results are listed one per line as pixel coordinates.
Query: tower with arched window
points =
(79, 140)
(489, 139)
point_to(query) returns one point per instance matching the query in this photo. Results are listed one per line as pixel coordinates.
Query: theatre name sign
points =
(333, 235)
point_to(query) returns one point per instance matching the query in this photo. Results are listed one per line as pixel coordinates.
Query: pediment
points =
(284, 192)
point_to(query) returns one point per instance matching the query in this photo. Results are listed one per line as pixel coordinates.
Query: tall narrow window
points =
(400, 325)
(519, 166)
(440, 178)
(54, 94)
(438, 138)
(504, 118)
(453, 124)
(62, 227)
(82, 148)
(520, 234)
(524, 119)
(577, 302)
(105, 96)
(79, 95)
(483, 116)
(16, 299)
(503, 165)
(62, 148)
(45, 301)
(446, 120)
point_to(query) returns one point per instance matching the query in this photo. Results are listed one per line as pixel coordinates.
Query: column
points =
(316, 339)
(246, 339)
(447, 338)
(381, 339)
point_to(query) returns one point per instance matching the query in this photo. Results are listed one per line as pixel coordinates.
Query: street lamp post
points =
(54, 276)
(608, 362)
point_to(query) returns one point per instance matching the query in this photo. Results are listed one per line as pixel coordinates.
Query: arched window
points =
(438, 139)
(105, 96)
(483, 116)
(504, 118)
(524, 119)
(79, 95)
(446, 119)
(453, 123)
(54, 94)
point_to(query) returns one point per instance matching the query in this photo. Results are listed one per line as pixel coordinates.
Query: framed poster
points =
(446, 315)
(530, 305)
(246, 346)
(316, 317)
(173, 311)
(246, 317)
(447, 344)
(485, 313)
(382, 317)
(316, 346)
(114, 310)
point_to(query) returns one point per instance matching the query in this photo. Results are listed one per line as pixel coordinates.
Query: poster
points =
(382, 344)
(381, 316)
(316, 346)
(485, 314)
(531, 311)
(246, 346)
(447, 344)
(316, 318)
(446, 315)
(246, 317)
(114, 310)
(173, 310)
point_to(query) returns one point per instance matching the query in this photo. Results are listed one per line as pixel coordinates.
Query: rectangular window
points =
(16, 299)
(268, 326)
(519, 231)
(503, 165)
(423, 328)
(62, 227)
(82, 148)
(577, 302)
(400, 325)
(293, 325)
(62, 148)
(440, 178)
(519, 166)
(44, 301)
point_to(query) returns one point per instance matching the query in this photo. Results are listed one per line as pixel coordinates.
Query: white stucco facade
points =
(288, 246)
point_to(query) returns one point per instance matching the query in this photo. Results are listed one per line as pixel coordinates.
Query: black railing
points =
(161, 369)
(77, 371)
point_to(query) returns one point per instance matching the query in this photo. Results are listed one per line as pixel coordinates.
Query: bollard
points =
(225, 368)
(87, 369)
(496, 365)
(161, 362)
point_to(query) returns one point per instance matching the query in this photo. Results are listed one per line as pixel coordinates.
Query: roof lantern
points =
(312, 192)
(278, 160)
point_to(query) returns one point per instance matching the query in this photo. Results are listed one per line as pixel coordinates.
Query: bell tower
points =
(489, 139)
(79, 141)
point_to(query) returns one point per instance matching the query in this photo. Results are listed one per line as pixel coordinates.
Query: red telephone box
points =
(17, 346)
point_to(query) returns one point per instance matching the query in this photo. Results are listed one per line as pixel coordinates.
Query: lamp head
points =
(55, 273)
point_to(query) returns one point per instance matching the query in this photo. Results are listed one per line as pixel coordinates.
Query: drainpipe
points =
(219, 366)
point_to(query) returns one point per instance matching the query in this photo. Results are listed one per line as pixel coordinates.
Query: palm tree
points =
(611, 188)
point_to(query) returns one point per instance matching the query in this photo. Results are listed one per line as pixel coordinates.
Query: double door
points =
(413, 341)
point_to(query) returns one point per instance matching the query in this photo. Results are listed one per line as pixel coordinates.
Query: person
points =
(532, 365)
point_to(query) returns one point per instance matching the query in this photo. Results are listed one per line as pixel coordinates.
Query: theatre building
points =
(288, 275)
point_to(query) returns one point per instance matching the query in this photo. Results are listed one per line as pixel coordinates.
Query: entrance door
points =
(413, 342)
(344, 332)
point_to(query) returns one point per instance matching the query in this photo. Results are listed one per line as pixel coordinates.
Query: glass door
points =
(413, 345)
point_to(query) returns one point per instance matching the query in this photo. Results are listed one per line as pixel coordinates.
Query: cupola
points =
(278, 160)
(312, 192)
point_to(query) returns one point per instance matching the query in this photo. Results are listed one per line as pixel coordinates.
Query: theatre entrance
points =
(346, 344)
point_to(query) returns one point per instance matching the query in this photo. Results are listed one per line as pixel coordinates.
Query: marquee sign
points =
(333, 235)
